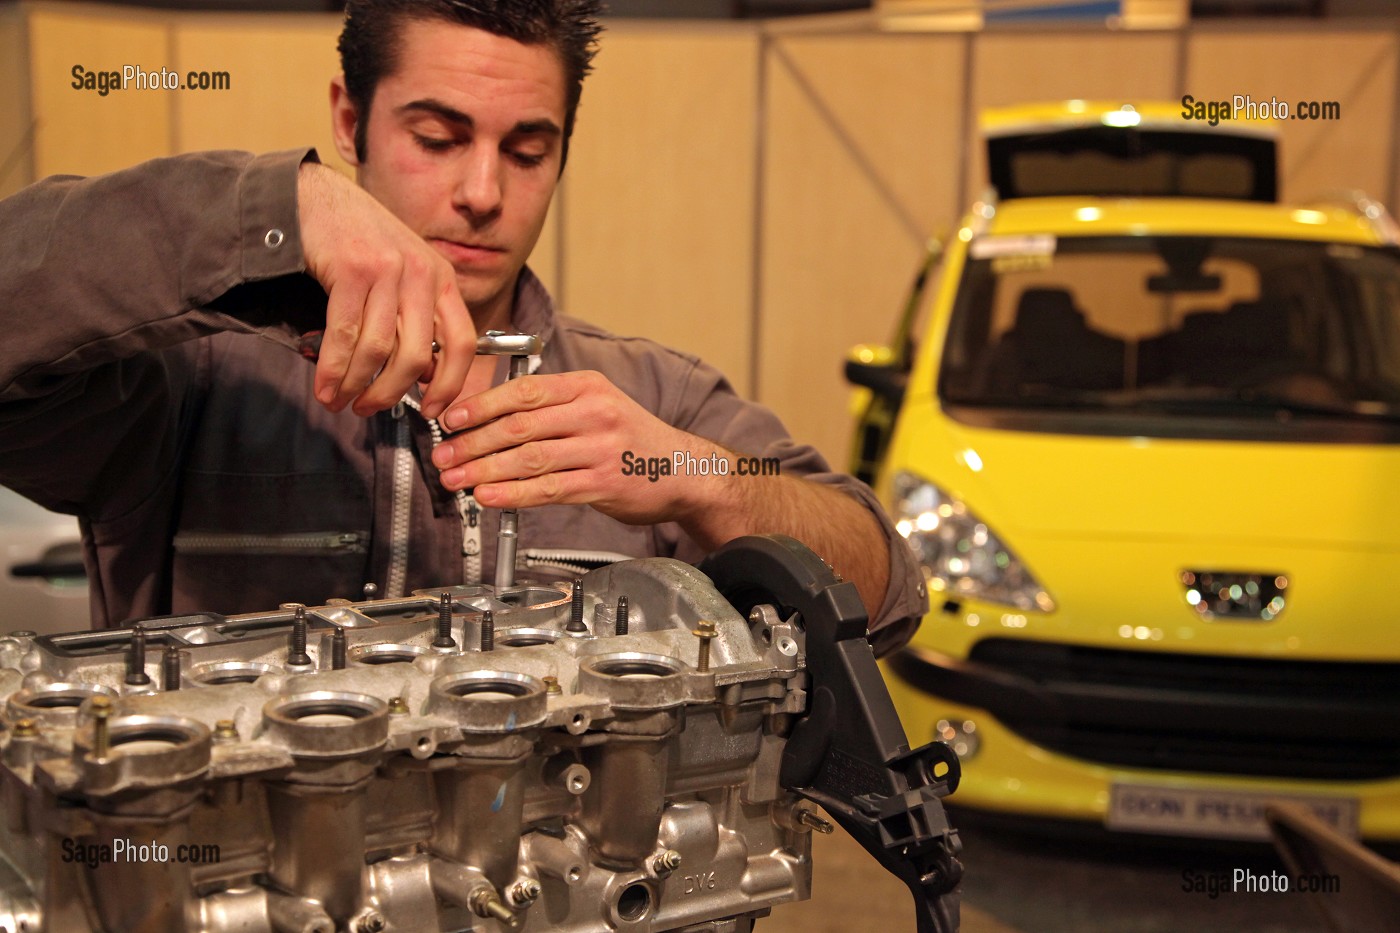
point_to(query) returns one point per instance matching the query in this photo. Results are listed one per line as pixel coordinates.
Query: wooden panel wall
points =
(16, 116)
(861, 164)
(81, 131)
(659, 191)
(279, 77)
(1356, 68)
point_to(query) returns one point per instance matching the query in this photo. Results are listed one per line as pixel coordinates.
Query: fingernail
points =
(442, 456)
(326, 394)
(432, 411)
(455, 419)
(453, 477)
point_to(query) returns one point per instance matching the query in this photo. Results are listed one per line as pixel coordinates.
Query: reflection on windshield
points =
(1180, 325)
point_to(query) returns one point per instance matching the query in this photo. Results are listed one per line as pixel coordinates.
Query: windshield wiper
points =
(1079, 401)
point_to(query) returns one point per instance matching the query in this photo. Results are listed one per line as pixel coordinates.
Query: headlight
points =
(960, 554)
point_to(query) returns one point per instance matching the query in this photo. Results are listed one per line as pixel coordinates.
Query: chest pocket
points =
(247, 542)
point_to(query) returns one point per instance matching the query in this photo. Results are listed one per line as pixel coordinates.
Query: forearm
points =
(834, 525)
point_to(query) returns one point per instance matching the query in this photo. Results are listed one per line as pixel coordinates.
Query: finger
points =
(536, 458)
(412, 353)
(344, 307)
(377, 336)
(426, 378)
(523, 394)
(456, 336)
(570, 486)
(509, 432)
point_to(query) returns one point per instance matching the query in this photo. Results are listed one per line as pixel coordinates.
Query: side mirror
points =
(876, 369)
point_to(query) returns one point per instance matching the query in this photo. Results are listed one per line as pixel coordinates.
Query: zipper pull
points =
(472, 512)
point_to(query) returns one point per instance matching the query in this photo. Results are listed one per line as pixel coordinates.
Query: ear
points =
(344, 119)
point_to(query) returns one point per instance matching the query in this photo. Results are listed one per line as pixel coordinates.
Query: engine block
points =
(535, 759)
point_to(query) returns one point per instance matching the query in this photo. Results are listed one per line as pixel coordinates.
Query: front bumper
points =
(1069, 722)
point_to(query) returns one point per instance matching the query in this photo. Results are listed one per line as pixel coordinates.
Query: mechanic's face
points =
(464, 145)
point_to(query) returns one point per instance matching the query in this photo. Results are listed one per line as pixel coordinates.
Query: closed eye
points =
(433, 143)
(527, 159)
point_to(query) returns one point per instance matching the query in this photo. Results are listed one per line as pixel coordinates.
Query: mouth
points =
(468, 254)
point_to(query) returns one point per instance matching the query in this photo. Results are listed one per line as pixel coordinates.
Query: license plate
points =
(1217, 814)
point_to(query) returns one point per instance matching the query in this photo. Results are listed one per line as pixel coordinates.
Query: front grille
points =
(1326, 720)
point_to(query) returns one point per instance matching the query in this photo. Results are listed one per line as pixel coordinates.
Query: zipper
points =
(467, 510)
(401, 512)
(471, 536)
(299, 542)
(573, 555)
(569, 560)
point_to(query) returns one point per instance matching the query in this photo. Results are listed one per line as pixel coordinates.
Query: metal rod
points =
(136, 661)
(296, 653)
(170, 668)
(444, 623)
(507, 537)
(488, 631)
(338, 649)
(576, 623)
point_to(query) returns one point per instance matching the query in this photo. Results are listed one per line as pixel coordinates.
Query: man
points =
(155, 395)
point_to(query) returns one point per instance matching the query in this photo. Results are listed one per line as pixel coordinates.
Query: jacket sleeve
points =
(711, 408)
(104, 284)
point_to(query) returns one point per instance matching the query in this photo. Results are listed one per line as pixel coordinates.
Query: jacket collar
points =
(533, 312)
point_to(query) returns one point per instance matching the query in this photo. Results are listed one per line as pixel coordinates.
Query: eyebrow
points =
(545, 127)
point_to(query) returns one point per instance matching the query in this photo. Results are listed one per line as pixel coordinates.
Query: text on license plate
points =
(1218, 814)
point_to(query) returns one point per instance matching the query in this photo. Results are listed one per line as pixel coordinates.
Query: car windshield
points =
(1177, 326)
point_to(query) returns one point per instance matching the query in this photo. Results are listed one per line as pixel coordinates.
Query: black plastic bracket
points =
(849, 753)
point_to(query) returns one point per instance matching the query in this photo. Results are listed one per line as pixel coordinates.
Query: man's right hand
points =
(390, 296)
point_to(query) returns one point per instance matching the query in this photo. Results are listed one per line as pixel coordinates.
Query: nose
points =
(479, 190)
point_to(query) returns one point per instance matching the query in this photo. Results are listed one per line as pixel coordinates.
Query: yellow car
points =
(1148, 451)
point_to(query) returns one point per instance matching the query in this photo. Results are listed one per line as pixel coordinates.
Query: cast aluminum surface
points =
(563, 780)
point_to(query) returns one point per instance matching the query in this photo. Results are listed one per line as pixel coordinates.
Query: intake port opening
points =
(59, 696)
(156, 739)
(229, 679)
(635, 668)
(526, 637)
(229, 672)
(489, 689)
(326, 713)
(154, 735)
(634, 902)
(387, 654)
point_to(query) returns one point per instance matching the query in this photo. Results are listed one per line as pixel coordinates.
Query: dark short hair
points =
(369, 42)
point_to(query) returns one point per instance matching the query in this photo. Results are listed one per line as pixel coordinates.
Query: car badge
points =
(1239, 597)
